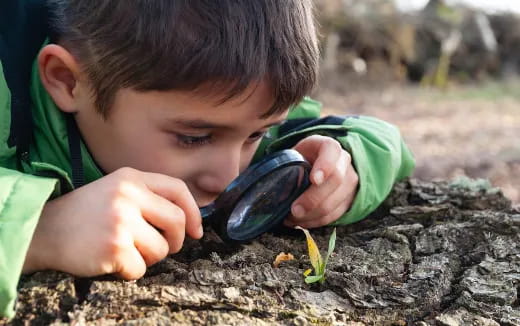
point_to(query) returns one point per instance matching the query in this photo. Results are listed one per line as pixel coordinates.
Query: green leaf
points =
(332, 245)
(314, 279)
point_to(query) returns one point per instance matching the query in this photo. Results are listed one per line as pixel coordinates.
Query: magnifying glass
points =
(260, 198)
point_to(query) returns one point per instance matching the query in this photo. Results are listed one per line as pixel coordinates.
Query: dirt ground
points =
(464, 130)
(439, 254)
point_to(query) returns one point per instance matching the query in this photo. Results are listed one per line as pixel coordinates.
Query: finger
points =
(150, 243)
(320, 196)
(326, 220)
(323, 153)
(166, 216)
(314, 200)
(129, 264)
(133, 266)
(177, 192)
(331, 201)
(343, 195)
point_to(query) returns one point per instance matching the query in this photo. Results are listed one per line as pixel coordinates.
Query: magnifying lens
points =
(260, 198)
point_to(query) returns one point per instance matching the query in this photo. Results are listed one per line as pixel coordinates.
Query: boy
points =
(140, 112)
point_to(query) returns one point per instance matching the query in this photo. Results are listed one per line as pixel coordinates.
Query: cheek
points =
(247, 156)
(153, 152)
(159, 154)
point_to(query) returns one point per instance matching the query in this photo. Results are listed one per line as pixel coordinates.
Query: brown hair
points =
(185, 44)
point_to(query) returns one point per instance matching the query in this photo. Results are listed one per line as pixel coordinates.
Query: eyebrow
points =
(202, 124)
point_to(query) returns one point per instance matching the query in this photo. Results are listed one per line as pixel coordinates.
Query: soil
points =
(436, 253)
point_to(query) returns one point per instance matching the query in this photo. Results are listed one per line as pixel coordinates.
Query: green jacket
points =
(379, 155)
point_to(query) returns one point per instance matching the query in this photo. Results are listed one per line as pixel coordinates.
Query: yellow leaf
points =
(314, 252)
(282, 257)
(307, 272)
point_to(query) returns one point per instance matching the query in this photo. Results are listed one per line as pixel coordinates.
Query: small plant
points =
(317, 262)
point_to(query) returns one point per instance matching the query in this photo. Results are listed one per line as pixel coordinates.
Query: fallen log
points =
(436, 253)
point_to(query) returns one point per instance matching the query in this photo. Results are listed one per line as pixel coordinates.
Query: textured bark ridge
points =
(443, 253)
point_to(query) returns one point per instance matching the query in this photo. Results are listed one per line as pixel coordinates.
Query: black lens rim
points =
(279, 213)
(217, 213)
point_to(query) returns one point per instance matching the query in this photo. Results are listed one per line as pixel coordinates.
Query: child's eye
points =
(192, 141)
(256, 136)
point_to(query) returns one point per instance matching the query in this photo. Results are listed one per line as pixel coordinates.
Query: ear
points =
(59, 73)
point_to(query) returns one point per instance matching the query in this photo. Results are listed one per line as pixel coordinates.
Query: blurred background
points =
(447, 73)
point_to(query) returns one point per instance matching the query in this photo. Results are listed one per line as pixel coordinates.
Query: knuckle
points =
(165, 250)
(125, 173)
(176, 234)
(138, 275)
(176, 245)
(179, 223)
(311, 202)
(183, 187)
(115, 214)
(158, 254)
(354, 177)
(315, 137)
(326, 208)
(338, 175)
(118, 188)
(348, 157)
(175, 249)
(106, 266)
(341, 169)
(117, 244)
(333, 143)
(178, 183)
(134, 274)
(178, 217)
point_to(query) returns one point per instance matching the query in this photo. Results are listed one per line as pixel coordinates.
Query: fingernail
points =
(319, 177)
(201, 231)
(298, 211)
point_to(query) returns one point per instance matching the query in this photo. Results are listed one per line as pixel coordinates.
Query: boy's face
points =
(179, 133)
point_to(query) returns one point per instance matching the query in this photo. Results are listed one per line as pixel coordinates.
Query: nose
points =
(220, 171)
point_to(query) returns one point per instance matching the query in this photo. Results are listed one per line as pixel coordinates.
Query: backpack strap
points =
(76, 162)
(23, 29)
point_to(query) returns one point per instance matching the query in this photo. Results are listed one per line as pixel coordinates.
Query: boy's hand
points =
(120, 224)
(334, 183)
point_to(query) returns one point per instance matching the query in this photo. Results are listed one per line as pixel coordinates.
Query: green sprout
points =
(317, 262)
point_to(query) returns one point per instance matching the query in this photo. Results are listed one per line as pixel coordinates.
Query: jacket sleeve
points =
(378, 152)
(22, 198)
(380, 158)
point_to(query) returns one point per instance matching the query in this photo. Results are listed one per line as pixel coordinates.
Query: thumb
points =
(323, 153)
(310, 147)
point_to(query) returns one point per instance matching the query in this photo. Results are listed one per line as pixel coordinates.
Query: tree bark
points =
(436, 253)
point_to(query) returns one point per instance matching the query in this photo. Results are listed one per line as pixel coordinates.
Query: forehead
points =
(198, 109)
(205, 104)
